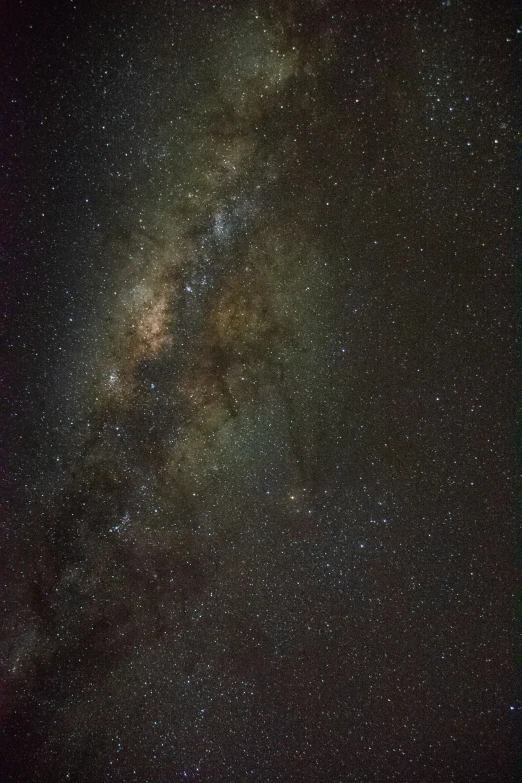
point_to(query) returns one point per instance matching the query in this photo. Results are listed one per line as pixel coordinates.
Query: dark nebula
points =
(260, 391)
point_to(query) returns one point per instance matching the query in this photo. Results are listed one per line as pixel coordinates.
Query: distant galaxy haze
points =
(260, 391)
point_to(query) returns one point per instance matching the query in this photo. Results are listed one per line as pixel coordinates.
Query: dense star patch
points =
(260, 331)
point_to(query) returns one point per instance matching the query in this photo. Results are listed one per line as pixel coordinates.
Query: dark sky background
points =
(260, 391)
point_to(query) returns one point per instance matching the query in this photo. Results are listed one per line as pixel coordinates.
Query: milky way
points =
(262, 379)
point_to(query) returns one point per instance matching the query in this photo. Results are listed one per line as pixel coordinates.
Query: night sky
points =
(260, 391)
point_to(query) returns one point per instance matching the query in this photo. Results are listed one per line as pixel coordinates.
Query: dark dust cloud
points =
(259, 268)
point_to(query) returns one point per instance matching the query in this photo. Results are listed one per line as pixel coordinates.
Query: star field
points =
(261, 392)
